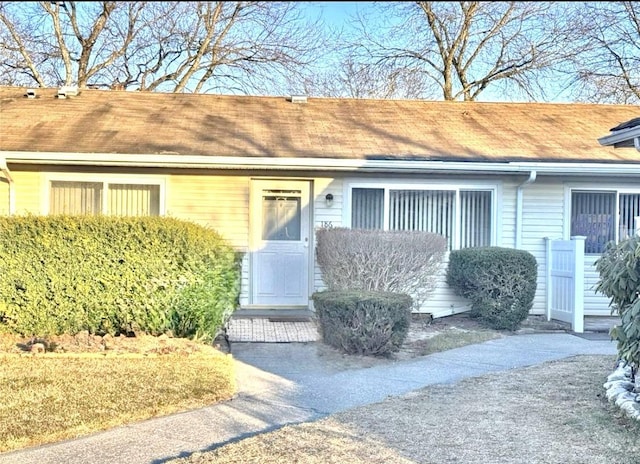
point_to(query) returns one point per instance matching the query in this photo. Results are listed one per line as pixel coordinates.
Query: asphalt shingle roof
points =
(98, 121)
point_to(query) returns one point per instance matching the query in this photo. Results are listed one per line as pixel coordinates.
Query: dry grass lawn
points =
(50, 397)
(88, 384)
(546, 414)
(552, 413)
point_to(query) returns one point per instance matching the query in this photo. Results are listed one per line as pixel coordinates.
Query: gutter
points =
(318, 164)
(621, 136)
(12, 194)
(519, 207)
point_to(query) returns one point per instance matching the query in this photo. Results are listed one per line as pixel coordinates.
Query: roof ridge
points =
(53, 90)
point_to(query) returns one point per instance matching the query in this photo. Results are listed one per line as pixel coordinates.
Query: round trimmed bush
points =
(500, 282)
(363, 322)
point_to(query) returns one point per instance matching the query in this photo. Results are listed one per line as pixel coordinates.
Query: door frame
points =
(256, 186)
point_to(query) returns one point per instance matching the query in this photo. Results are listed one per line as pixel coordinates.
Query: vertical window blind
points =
(367, 208)
(593, 215)
(629, 208)
(134, 200)
(75, 198)
(67, 197)
(475, 218)
(427, 210)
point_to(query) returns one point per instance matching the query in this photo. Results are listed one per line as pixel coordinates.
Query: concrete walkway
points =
(285, 383)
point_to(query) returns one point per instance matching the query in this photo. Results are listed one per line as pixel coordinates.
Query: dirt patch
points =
(426, 336)
(84, 342)
(420, 341)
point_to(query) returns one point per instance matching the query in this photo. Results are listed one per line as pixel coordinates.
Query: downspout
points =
(636, 143)
(7, 174)
(519, 202)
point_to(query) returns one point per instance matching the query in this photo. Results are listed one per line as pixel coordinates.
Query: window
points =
(603, 216)
(463, 216)
(367, 209)
(75, 198)
(120, 199)
(133, 200)
(281, 215)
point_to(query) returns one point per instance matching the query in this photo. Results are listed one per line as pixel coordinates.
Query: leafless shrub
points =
(375, 260)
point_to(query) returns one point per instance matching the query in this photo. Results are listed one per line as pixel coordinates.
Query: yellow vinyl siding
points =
(28, 192)
(219, 202)
(4, 196)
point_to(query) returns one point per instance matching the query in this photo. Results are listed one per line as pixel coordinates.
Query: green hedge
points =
(500, 282)
(66, 274)
(619, 270)
(363, 322)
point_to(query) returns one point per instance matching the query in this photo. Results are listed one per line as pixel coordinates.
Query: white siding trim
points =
(497, 216)
(384, 167)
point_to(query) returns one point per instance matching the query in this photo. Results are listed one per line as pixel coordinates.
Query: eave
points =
(321, 164)
(625, 138)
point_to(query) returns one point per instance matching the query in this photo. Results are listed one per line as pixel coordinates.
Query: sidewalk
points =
(284, 383)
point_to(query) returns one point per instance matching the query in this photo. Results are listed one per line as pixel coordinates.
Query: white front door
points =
(280, 231)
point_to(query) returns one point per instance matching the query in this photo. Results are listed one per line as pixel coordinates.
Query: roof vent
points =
(298, 99)
(31, 93)
(67, 91)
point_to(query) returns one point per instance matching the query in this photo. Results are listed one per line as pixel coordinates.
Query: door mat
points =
(593, 335)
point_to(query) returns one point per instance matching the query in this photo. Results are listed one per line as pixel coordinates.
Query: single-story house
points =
(267, 171)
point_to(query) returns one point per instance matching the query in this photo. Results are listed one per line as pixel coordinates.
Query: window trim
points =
(403, 184)
(587, 188)
(105, 180)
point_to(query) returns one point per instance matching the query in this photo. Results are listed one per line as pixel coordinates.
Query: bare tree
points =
(608, 70)
(351, 79)
(53, 43)
(162, 46)
(456, 50)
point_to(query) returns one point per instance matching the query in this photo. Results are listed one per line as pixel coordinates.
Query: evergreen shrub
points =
(500, 282)
(363, 322)
(66, 274)
(619, 271)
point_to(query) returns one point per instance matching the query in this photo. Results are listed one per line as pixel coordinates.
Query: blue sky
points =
(334, 13)
(337, 14)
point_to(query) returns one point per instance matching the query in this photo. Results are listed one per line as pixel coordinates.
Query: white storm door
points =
(280, 243)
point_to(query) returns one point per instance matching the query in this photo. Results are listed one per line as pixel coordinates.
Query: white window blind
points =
(70, 197)
(629, 220)
(75, 198)
(134, 200)
(475, 218)
(425, 210)
(367, 208)
(467, 213)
